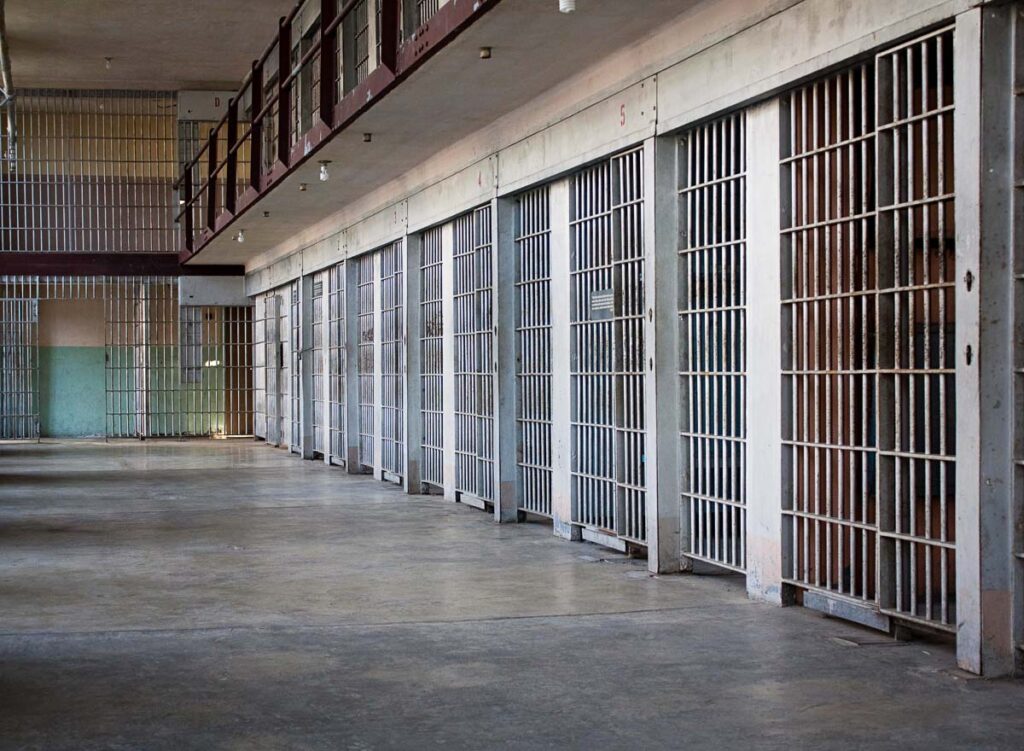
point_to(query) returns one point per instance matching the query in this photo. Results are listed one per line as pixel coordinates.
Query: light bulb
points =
(324, 174)
(567, 6)
(240, 237)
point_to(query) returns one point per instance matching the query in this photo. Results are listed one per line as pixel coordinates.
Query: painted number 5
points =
(622, 116)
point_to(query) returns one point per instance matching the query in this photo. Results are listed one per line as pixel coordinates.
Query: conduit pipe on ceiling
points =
(7, 84)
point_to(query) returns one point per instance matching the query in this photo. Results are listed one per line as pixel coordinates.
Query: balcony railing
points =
(308, 84)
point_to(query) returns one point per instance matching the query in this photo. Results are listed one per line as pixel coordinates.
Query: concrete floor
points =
(223, 595)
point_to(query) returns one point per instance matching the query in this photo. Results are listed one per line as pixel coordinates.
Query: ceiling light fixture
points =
(324, 174)
(302, 187)
(485, 53)
(266, 214)
(367, 137)
(240, 237)
(108, 62)
(567, 6)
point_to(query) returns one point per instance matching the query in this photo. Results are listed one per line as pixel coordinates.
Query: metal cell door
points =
(473, 259)
(608, 350)
(533, 349)
(366, 283)
(295, 368)
(337, 363)
(712, 339)
(317, 376)
(274, 361)
(19, 369)
(392, 362)
(432, 357)
(869, 309)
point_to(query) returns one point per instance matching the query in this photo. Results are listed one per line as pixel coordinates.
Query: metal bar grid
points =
(19, 368)
(274, 364)
(915, 218)
(336, 363)
(295, 344)
(317, 347)
(533, 342)
(366, 284)
(392, 301)
(432, 357)
(869, 309)
(712, 336)
(473, 328)
(608, 348)
(356, 44)
(91, 171)
(259, 366)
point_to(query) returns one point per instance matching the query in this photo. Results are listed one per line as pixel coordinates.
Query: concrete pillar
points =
(306, 364)
(506, 438)
(661, 382)
(561, 383)
(764, 492)
(413, 368)
(983, 143)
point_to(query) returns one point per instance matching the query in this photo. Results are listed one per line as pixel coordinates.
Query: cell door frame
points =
(19, 386)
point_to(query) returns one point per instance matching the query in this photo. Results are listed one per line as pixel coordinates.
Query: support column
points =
(352, 464)
(561, 349)
(413, 366)
(661, 334)
(764, 344)
(983, 144)
(305, 361)
(506, 433)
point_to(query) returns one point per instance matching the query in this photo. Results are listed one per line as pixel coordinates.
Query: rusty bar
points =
(231, 175)
(211, 182)
(284, 90)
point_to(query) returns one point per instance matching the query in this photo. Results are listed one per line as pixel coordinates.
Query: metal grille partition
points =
(392, 365)
(869, 309)
(259, 366)
(19, 368)
(92, 172)
(533, 342)
(712, 338)
(366, 282)
(608, 349)
(295, 367)
(317, 346)
(432, 357)
(337, 363)
(274, 362)
(473, 260)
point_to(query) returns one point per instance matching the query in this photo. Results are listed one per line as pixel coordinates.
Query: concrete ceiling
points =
(453, 95)
(154, 44)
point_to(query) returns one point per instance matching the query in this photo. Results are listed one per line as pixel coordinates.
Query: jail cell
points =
(868, 306)
(608, 348)
(392, 358)
(533, 349)
(317, 355)
(473, 326)
(337, 363)
(274, 358)
(366, 282)
(19, 368)
(259, 366)
(711, 167)
(432, 357)
(295, 367)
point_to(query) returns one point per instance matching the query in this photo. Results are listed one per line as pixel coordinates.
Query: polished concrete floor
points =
(223, 595)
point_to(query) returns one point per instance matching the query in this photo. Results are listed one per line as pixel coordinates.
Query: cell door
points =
(869, 243)
(366, 289)
(295, 368)
(712, 339)
(274, 362)
(392, 359)
(533, 349)
(432, 357)
(19, 369)
(337, 363)
(317, 348)
(607, 347)
(473, 259)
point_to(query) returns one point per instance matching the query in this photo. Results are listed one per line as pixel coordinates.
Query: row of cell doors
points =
(867, 320)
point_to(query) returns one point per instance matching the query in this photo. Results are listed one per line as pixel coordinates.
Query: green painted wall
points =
(71, 390)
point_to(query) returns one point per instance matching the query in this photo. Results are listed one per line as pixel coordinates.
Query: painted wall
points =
(71, 368)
